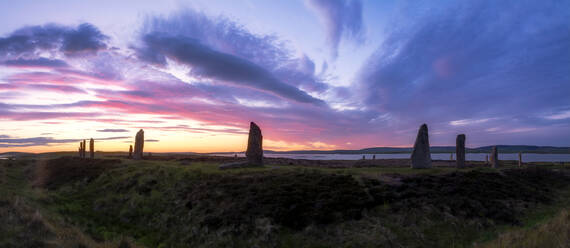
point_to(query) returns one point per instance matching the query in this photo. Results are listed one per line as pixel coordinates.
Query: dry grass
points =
(553, 234)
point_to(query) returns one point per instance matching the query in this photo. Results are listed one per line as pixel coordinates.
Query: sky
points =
(313, 74)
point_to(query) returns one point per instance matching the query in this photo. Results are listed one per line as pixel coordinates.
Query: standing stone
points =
(520, 159)
(80, 149)
(451, 156)
(83, 150)
(363, 157)
(91, 148)
(254, 151)
(130, 151)
(139, 145)
(487, 158)
(495, 157)
(421, 157)
(460, 150)
(373, 157)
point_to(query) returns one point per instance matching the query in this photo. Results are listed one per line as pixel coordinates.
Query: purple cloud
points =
(84, 39)
(42, 141)
(39, 63)
(342, 18)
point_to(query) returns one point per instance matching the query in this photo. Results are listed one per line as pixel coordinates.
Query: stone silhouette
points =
(84, 149)
(495, 157)
(130, 151)
(421, 157)
(451, 156)
(460, 150)
(373, 157)
(520, 159)
(80, 149)
(254, 152)
(91, 148)
(139, 145)
(487, 158)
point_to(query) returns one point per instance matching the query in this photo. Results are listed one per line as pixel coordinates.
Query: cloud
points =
(42, 141)
(108, 130)
(226, 53)
(342, 19)
(151, 140)
(84, 39)
(465, 62)
(35, 63)
(221, 66)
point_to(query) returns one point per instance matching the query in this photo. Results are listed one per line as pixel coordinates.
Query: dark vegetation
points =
(189, 203)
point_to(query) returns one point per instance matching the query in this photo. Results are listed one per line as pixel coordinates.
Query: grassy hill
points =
(174, 202)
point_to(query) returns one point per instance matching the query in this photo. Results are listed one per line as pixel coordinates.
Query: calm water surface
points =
(527, 157)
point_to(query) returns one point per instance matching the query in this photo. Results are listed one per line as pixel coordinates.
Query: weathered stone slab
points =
(460, 150)
(91, 148)
(254, 151)
(139, 145)
(495, 157)
(421, 156)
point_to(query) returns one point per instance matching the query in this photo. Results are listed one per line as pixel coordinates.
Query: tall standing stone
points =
(421, 157)
(139, 145)
(91, 148)
(254, 152)
(83, 150)
(520, 159)
(495, 157)
(487, 158)
(460, 150)
(130, 151)
(80, 149)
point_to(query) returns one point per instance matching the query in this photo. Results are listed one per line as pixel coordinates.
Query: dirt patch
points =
(56, 172)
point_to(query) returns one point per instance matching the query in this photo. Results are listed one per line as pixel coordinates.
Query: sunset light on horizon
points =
(313, 74)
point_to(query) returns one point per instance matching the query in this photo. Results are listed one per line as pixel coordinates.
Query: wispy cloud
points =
(341, 18)
(109, 130)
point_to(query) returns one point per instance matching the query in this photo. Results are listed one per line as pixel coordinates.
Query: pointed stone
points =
(91, 148)
(495, 157)
(139, 145)
(460, 150)
(421, 156)
(130, 151)
(487, 158)
(520, 159)
(254, 152)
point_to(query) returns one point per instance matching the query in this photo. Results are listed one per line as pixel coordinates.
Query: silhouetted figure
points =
(91, 149)
(363, 157)
(139, 145)
(235, 155)
(373, 157)
(130, 151)
(421, 156)
(487, 158)
(520, 159)
(460, 150)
